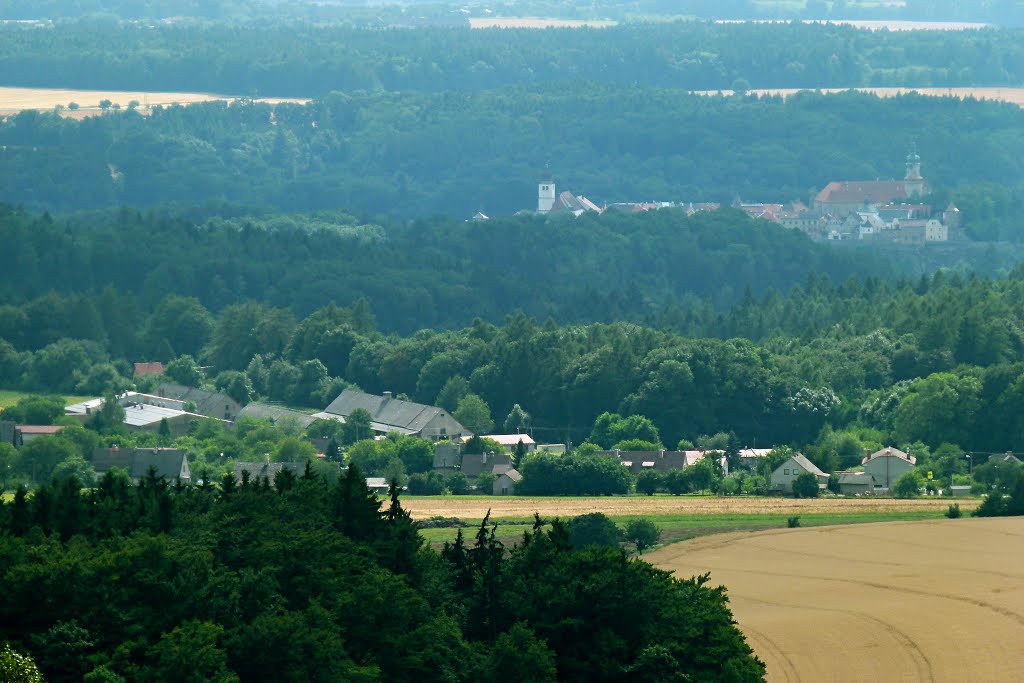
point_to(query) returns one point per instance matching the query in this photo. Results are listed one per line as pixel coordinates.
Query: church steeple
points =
(913, 183)
(546, 191)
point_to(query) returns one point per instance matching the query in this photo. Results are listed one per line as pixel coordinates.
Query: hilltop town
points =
(884, 211)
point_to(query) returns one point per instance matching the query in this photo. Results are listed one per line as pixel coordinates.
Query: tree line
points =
(415, 154)
(301, 59)
(321, 581)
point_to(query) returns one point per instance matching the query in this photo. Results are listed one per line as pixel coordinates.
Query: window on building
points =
(785, 471)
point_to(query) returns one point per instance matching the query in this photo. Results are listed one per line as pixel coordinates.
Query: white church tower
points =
(546, 192)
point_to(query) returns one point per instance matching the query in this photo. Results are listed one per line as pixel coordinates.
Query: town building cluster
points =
(885, 211)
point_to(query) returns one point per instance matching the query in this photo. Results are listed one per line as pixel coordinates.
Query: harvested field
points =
(904, 601)
(13, 100)
(475, 507)
(1011, 95)
(537, 22)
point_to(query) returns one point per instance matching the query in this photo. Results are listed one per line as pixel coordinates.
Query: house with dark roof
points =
(389, 414)
(785, 474)
(475, 464)
(267, 470)
(169, 463)
(505, 482)
(209, 403)
(265, 411)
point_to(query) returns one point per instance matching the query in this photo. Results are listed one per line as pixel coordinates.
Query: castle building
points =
(841, 198)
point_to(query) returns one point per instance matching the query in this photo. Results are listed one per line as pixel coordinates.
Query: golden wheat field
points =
(899, 601)
(1011, 95)
(13, 100)
(521, 508)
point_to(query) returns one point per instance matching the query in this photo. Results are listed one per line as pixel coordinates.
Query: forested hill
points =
(304, 60)
(425, 274)
(418, 154)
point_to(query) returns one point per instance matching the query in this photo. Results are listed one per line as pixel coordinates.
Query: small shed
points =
(960, 491)
(505, 483)
(856, 483)
(378, 485)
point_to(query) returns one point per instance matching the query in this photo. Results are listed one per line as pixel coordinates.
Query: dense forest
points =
(419, 154)
(857, 361)
(302, 60)
(433, 12)
(313, 581)
(441, 273)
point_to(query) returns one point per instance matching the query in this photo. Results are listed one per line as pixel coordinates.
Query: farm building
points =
(169, 463)
(888, 465)
(785, 474)
(389, 414)
(856, 483)
(267, 470)
(510, 441)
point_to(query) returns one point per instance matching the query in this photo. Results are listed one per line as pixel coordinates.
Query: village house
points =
(475, 464)
(209, 403)
(255, 471)
(19, 435)
(785, 474)
(169, 463)
(510, 441)
(660, 461)
(142, 412)
(886, 466)
(389, 414)
(505, 483)
(264, 411)
(142, 369)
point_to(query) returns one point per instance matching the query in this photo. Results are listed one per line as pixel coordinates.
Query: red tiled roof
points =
(39, 429)
(875, 191)
(149, 369)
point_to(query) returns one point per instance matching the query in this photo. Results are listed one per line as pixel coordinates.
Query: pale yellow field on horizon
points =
(13, 100)
(514, 507)
(935, 600)
(537, 22)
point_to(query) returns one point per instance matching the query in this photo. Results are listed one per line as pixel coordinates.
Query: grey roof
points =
(264, 411)
(1005, 457)
(207, 402)
(143, 415)
(890, 452)
(475, 464)
(386, 413)
(513, 474)
(805, 464)
(268, 470)
(856, 478)
(170, 463)
(446, 455)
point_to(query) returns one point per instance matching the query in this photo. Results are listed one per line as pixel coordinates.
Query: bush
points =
(793, 522)
(429, 484)
(909, 485)
(649, 482)
(806, 486)
(642, 533)
(594, 528)
(954, 511)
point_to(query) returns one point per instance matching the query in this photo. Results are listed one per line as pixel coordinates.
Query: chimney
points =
(387, 396)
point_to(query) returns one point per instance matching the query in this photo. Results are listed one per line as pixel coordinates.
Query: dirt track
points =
(901, 601)
(515, 507)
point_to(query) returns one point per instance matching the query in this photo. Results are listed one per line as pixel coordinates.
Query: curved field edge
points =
(937, 600)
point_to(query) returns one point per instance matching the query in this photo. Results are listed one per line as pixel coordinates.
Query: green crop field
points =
(10, 397)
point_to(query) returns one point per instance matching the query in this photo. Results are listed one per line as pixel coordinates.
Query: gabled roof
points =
(387, 414)
(38, 429)
(264, 411)
(207, 402)
(513, 474)
(475, 464)
(890, 452)
(511, 439)
(856, 191)
(807, 465)
(170, 463)
(268, 470)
